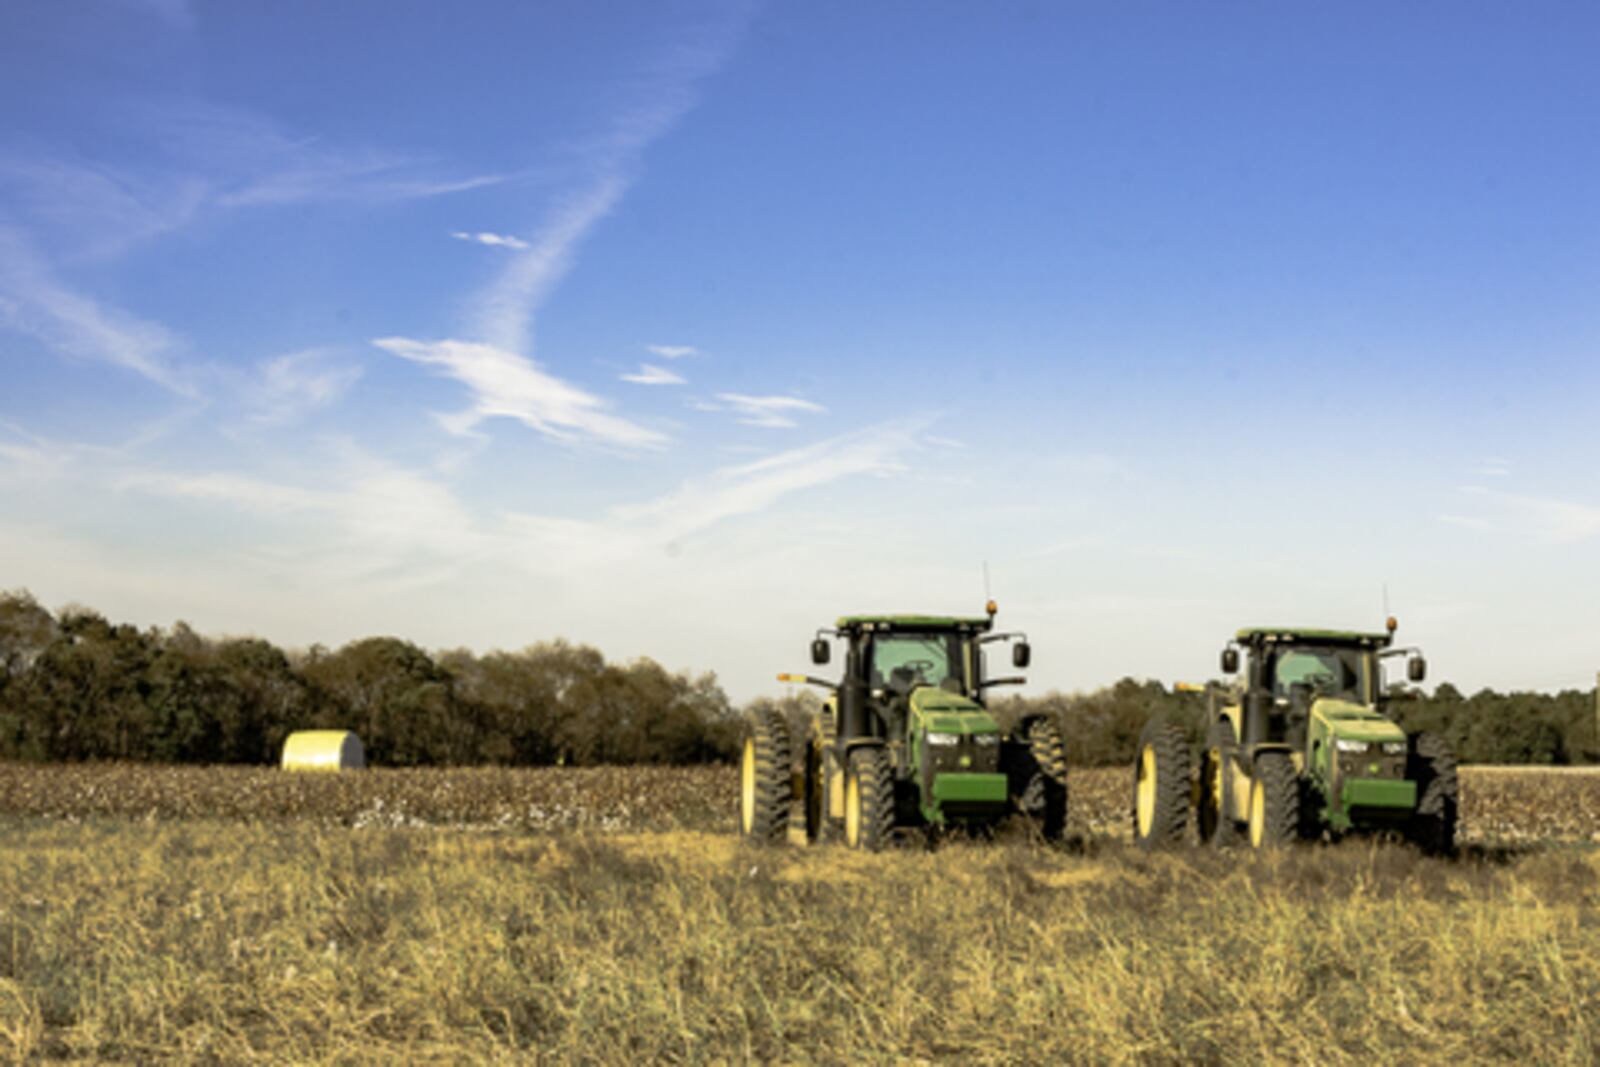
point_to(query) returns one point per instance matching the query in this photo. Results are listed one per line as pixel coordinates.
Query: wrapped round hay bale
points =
(323, 750)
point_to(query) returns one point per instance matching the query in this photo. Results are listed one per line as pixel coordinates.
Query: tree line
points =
(74, 686)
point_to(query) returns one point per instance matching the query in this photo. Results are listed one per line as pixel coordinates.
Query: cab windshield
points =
(901, 661)
(1331, 672)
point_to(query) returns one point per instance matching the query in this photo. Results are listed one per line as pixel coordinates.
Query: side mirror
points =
(1230, 661)
(819, 651)
(1021, 655)
(1417, 669)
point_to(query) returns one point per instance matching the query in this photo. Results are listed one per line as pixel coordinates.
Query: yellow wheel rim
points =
(1216, 781)
(1258, 814)
(1145, 795)
(747, 786)
(852, 811)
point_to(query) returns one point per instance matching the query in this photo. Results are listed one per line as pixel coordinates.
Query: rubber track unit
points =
(871, 768)
(1280, 787)
(1044, 800)
(1433, 767)
(1172, 798)
(770, 731)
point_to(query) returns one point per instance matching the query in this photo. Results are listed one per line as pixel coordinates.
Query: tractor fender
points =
(1026, 724)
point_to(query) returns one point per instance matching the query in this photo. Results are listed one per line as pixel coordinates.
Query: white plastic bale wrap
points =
(323, 750)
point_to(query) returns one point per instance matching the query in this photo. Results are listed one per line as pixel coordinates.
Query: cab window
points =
(903, 660)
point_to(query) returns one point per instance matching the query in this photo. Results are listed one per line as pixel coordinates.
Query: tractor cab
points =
(1292, 673)
(897, 665)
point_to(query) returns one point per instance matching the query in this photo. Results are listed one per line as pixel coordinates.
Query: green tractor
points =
(1299, 746)
(904, 741)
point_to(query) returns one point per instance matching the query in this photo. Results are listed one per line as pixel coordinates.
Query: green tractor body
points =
(905, 740)
(954, 749)
(1300, 744)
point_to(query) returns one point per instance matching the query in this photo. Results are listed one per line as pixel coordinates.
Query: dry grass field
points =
(606, 916)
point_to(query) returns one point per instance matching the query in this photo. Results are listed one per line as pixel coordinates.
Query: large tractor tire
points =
(868, 800)
(765, 788)
(1274, 816)
(1044, 796)
(1161, 786)
(1216, 826)
(1432, 766)
(814, 790)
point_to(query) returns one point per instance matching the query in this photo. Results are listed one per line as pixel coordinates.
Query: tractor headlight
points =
(1393, 748)
(943, 739)
(982, 740)
(1346, 745)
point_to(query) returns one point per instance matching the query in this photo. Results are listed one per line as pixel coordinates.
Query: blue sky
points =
(682, 328)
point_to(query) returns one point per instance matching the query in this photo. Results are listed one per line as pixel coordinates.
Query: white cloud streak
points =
(34, 302)
(507, 385)
(672, 351)
(649, 374)
(288, 386)
(367, 518)
(505, 311)
(768, 411)
(1540, 520)
(493, 240)
(497, 363)
(753, 487)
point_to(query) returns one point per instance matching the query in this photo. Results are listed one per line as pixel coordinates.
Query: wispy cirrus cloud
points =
(361, 520)
(672, 351)
(83, 210)
(497, 363)
(752, 487)
(650, 374)
(29, 456)
(768, 411)
(288, 386)
(505, 310)
(507, 385)
(198, 161)
(348, 180)
(362, 517)
(1538, 520)
(35, 302)
(493, 240)
(504, 317)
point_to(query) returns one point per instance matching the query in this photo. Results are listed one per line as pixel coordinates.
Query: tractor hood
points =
(943, 712)
(1349, 721)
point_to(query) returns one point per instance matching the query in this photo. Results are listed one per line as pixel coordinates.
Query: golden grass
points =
(610, 915)
(207, 942)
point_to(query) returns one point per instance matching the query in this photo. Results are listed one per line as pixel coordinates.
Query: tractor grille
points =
(1374, 763)
(979, 758)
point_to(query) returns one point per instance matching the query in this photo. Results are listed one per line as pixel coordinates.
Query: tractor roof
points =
(978, 623)
(1308, 635)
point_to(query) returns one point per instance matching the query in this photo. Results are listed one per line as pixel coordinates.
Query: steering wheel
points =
(921, 666)
(1319, 681)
